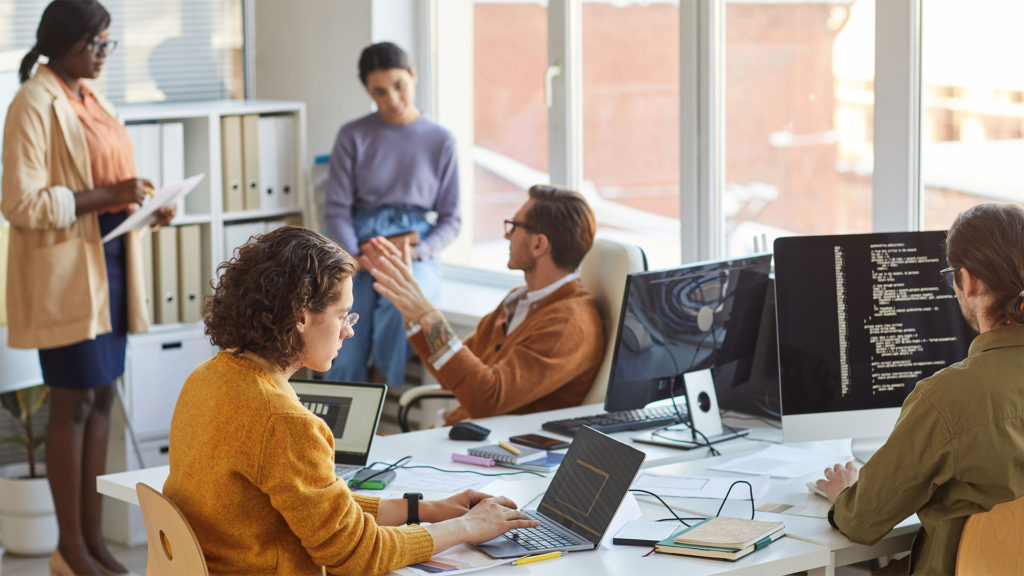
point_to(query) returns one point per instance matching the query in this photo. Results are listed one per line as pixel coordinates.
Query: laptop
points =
(579, 504)
(352, 411)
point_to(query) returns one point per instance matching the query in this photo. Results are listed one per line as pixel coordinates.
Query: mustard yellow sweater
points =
(253, 471)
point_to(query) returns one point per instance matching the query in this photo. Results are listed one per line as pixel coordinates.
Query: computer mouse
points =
(468, 431)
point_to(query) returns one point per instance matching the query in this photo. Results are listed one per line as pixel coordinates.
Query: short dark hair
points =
(63, 23)
(988, 240)
(267, 285)
(563, 216)
(382, 56)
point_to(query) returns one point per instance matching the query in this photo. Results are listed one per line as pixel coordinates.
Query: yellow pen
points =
(150, 191)
(509, 447)
(538, 558)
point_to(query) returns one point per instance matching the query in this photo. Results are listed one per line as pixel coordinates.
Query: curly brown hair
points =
(267, 285)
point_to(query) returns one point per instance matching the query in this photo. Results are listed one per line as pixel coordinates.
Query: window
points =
(167, 50)
(630, 103)
(799, 100)
(972, 126)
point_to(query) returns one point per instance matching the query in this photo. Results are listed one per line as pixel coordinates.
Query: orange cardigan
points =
(549, 361)
(253, 471)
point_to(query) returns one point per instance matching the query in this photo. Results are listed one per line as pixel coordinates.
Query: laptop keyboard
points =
(539, 537)
(609, 422)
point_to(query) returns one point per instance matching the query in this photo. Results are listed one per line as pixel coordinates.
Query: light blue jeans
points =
(380, 333)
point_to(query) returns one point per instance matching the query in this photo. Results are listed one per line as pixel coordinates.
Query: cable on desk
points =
(711, 449)
(750, 489)
(667, 507)
(357, 484)
(475, 472)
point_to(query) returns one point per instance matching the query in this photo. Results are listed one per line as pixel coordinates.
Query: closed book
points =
(544, 462)
(499, 454)
(726, 532)
(669, 546)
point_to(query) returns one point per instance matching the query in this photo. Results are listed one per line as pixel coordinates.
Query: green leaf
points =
(19, 439)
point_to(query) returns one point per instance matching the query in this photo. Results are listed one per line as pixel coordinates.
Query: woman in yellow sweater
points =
(252, 470)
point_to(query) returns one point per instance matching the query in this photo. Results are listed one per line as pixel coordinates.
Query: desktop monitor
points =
(861, 319)
(705, 315)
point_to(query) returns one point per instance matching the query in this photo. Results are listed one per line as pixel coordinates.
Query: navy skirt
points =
(96, 363)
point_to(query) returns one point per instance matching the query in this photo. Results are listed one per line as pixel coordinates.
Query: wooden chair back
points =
(991, 542)
(173, 548)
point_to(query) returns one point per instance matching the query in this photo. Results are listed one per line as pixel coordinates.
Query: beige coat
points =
(57, 292)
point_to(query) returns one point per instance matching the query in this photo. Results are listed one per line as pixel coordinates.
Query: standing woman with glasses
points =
(393, 173)
(68, 179)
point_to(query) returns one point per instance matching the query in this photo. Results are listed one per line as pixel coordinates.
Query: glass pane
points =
(631, 123)
(510, 119)
(799, 90)
(972, 125)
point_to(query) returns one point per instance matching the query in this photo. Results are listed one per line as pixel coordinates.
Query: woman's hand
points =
(489, 518)
(163, 216)
(453, 506)
(131, 191)
(838, 478)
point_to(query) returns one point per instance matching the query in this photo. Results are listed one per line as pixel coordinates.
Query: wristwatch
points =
(414, 506)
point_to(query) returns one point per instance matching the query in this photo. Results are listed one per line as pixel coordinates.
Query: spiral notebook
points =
(499, 454)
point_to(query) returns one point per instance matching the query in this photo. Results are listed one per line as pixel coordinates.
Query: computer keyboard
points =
(540, 537)
(652, 417)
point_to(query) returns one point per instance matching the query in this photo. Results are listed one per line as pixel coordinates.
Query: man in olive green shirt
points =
(958, 445)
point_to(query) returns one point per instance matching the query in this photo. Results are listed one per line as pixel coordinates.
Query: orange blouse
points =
(111, 158)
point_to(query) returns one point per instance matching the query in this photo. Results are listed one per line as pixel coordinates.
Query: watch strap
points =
(413, 498)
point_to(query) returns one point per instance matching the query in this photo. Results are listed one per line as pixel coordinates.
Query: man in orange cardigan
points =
(540, 349)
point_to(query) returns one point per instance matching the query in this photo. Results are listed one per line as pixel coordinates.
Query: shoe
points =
(59, 566)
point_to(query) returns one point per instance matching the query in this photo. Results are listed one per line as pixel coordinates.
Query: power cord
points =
(401, 464)
(677, 518)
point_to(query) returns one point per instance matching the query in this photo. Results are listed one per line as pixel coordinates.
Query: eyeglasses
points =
(511, 225)
(949, 276)
(98, 46)
(350, 320)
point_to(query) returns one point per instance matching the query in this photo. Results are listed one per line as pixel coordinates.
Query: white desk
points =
(811, 543)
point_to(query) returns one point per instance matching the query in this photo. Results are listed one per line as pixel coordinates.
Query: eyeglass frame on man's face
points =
(511, 224)
(949, 275)
(97, 46)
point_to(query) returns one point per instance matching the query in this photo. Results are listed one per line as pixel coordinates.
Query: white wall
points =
(308, 51)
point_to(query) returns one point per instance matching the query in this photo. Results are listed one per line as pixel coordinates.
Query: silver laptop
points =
(352, 411)
(579, 504)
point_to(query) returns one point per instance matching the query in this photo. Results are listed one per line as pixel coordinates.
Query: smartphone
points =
(538, 441)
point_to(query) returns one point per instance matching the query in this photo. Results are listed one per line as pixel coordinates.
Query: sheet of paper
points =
(461, 559)
(701, 486)
(429, 481)
(780, 461)
(166, 196)
(628, 511)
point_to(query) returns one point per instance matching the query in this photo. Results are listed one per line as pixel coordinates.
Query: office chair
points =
(990, 542)
(603, 272)
(172, 546)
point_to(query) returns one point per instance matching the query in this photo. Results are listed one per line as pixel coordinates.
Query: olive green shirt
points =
(957, 449)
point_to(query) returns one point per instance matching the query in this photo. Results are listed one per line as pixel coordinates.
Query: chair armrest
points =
(411, 397)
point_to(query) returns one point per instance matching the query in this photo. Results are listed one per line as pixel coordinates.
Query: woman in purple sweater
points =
(393, 173)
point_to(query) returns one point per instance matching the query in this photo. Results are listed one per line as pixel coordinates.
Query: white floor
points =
(10, 565)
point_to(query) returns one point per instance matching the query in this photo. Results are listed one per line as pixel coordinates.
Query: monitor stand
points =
(679, 436)
(864, 448)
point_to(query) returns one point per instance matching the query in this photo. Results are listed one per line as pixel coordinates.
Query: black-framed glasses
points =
(512, 224)
(98, 46)
(949, 276)
(350, 319)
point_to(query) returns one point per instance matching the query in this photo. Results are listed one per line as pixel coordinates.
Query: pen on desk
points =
(509, 447)
(538, 558)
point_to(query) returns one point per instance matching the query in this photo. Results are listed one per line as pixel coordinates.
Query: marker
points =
(509, 447)
(538, 558)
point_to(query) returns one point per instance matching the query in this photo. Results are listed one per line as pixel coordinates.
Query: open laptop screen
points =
(590, 483)
(351, 410)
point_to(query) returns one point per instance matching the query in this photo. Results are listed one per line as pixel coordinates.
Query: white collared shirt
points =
(518, 304)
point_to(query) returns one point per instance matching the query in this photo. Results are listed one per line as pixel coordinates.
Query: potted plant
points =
(28, 522)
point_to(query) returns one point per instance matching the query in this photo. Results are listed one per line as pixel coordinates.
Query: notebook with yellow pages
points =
(722, 537)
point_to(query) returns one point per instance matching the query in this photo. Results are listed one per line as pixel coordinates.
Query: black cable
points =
(357, 484)
(729, 491)
(475, 472)
(667, 507)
